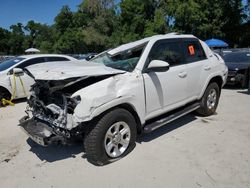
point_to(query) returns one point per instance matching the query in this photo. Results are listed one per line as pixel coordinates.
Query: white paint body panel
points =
(125, 88)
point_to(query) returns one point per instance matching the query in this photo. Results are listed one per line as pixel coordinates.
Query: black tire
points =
(4, 94)
(204, 109)
(94, 140)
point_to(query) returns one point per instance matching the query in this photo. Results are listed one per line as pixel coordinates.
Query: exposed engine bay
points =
(54, 107)
(50, 108)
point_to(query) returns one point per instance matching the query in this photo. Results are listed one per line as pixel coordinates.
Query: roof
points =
(141, 42)
(45, 55)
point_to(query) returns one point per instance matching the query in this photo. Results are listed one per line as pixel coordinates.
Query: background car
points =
(10, 86)
(3, 58)
(86, 57)
(238, 64)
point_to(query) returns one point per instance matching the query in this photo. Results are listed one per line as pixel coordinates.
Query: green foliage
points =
(64, 19)
(4, 37)
(98, 25)
(16, 39)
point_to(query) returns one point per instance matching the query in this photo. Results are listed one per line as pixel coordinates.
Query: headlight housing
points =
(72, 103)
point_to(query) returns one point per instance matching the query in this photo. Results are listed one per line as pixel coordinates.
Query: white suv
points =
(132, 89)
(15, 65)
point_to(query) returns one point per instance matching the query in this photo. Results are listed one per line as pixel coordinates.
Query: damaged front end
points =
(50, 112)
(52, 106)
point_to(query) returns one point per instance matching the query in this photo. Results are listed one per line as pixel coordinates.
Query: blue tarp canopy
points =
(216, 43)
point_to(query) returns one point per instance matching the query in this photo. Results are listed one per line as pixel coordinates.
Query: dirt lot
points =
(190, 152)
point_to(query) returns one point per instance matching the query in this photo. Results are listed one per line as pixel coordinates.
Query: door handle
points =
(182, 74)
(207, 68)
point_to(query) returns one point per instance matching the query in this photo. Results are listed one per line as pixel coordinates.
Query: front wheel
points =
(210, 100)
(4, 95)
(110, 138)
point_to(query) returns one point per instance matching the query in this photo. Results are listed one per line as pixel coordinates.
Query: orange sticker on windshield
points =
(191, 50)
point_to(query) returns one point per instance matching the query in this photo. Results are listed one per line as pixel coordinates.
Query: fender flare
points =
(6, 88)
(211, 77)
(120, 101)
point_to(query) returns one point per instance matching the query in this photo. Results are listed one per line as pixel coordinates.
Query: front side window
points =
(4, 65)
(167, 51)
(193, 51)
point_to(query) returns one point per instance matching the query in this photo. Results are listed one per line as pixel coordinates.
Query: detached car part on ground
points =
(135, 88)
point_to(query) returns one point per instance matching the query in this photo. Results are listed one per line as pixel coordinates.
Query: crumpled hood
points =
(69, 69)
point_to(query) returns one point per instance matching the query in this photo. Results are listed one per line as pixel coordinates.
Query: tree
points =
(141, 18)
(71, 42)
(64, 19)
(17, 38)
(199, 17)
(4, 38)
(234, 17)
(98, 25)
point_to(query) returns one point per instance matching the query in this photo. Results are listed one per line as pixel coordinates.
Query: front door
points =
(166, 90)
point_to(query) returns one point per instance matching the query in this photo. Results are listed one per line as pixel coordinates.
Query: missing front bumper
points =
(40, 132)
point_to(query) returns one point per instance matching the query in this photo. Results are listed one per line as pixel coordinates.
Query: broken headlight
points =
(72, 103)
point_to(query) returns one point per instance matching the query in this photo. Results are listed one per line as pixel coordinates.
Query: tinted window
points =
(170, 52)
(193, 51)
(9, 63)
(31, 62)
(237, 57)
(56, 59)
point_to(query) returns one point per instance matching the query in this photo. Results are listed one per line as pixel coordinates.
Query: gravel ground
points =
(190, 152)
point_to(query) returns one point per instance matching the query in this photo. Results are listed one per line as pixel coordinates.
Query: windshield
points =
(126, 60)
(9, 63)
(237, 57)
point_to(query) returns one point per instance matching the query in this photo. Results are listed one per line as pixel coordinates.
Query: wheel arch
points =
(132, 110)
(217, 79)
(5, 90)
(127, 106)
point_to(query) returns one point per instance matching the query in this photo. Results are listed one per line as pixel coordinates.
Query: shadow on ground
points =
(166, 128)
(55, 152)
(244, 92)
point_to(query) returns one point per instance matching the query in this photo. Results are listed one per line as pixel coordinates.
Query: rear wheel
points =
(111, 138)
(210, 100)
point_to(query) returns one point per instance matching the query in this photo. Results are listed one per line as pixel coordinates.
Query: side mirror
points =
(158, 66)
(90, 57)
(17, 71)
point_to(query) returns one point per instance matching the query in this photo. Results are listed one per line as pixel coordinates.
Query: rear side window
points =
(31, 62)
(193, 51)
(168, 51)
(56, 59)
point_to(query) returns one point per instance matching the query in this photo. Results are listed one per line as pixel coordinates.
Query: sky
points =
(43, 11)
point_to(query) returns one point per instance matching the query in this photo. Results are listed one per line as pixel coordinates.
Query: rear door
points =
(165, 90)
(197, 66)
